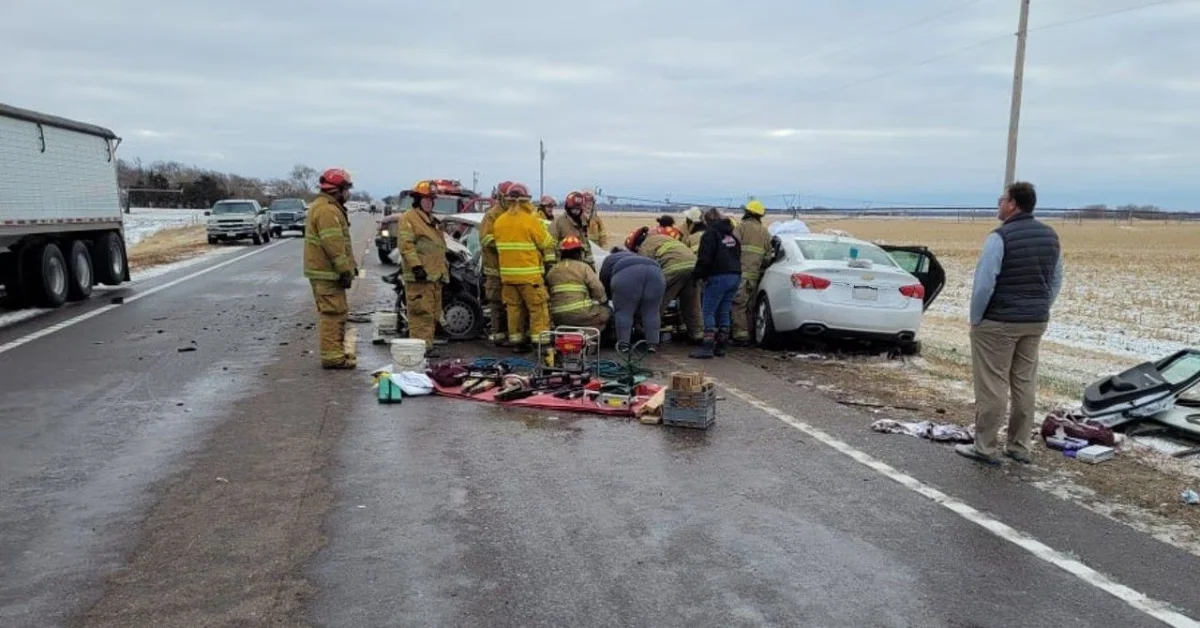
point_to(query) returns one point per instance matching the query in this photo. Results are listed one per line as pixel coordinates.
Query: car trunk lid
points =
(857, 283)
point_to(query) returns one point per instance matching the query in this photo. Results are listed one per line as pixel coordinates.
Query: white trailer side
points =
(60, 209)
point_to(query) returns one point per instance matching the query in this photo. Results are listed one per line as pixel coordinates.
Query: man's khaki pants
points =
(528, 307)
(424, 302)
(332, 309)
(496, 308)
(1004, 359)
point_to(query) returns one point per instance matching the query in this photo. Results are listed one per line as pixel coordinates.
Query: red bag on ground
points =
(1073, 425)
(448, 374)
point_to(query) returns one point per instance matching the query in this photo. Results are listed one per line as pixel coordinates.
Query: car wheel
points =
(910, 348)
(82, 276)
(764, 325)
(464, 318)
(256, 238)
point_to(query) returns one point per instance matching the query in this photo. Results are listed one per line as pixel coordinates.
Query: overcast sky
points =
(842, 102)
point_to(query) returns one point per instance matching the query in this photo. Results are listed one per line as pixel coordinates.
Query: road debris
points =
(222, 480)
(937, 432)
(1190, 497)
(185, 349)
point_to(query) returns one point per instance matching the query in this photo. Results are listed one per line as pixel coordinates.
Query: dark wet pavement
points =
(239, 485)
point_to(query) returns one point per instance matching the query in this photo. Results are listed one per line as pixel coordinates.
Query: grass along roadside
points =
(168, 245)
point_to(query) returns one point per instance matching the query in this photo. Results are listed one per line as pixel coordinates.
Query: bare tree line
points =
(174, 184)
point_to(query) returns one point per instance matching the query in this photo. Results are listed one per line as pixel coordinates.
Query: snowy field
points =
(141, 221)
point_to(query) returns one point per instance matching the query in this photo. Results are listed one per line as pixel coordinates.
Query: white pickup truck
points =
(61, 229)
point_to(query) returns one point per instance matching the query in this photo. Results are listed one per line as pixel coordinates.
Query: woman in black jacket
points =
(719, 264)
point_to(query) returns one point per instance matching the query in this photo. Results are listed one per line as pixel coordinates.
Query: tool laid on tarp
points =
(539, 400)
(569, 350)
(483, 379)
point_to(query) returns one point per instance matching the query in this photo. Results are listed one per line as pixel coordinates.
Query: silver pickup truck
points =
(238, 219)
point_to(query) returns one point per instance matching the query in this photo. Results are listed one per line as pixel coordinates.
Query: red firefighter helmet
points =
(547, 201)
(518, 191)
(335, 179)
(570, 243)
(501, 189)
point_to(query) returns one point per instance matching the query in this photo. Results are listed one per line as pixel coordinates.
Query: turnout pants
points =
(332, 309)
(496, 308)
(596, 316)
(638, 291)
(528, 307)
(743, 309)
(424, 302)
(681, 286)
(1004, 360)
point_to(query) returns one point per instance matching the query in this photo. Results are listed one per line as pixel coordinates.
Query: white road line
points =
(1157, 609)
(57, 327)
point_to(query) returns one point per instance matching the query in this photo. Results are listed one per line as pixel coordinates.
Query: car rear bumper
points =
(288, 226)
(810, 316)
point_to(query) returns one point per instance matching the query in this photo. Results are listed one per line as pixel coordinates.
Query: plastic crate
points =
(690, 409)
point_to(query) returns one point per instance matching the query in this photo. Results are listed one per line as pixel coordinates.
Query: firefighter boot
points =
(705, 352)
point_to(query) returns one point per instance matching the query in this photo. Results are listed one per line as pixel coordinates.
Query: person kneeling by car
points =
(576, 294)
(423, 256)
(719, 265)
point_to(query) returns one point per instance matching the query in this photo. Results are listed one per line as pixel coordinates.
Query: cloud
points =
(842, 100)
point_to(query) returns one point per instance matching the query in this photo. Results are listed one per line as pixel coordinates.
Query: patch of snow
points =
(141, 222)
(12, 318)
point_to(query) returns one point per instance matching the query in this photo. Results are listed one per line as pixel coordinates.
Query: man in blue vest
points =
(1016, 282)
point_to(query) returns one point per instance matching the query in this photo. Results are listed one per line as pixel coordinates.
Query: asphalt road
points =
(237, 484)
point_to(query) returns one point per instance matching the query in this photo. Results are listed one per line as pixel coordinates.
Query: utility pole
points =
(475, 181)
(1014, 116)
(541, 168)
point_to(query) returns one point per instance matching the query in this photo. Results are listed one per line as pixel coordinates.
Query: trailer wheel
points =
(81, 274)
(48, 276)
(109, 262)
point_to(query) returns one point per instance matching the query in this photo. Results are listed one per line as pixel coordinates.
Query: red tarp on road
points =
(543, 401)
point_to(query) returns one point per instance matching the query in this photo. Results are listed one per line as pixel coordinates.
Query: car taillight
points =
(915, 291)
(805, 281)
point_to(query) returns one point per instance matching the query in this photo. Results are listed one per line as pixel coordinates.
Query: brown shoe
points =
(969, 451)
(348, 364)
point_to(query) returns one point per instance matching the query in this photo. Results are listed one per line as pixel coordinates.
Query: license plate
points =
(866, 293)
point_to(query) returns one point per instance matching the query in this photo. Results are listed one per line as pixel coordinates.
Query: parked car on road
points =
(287, 214)
(837, 287)
(238, 219)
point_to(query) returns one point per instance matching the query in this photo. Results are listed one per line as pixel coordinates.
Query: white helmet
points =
(693, 214)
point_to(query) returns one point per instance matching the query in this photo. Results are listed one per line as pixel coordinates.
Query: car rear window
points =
(836, 251)
(233, 208)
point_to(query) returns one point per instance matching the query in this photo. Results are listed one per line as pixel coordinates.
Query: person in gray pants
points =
(635, 284)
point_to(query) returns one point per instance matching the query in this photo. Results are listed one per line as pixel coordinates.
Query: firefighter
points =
(526, 252)
(423, 263)
(595, 226)
(491, 265)
(694, 227)
(330, 266)
(677, 263)
(577, 298)
(755, 239)
(572, 223)
(546, 207)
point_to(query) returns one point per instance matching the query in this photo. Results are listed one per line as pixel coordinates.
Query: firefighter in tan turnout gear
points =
(491, 265)
(677, 263)
(329, 264)
(423, 259)
(577, 297)
(526, 252)
(573, 223)
(756, 240)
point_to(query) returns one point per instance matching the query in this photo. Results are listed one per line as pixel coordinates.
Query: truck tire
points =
(256, 238)
(48, 276)
(266, 236)
(212, 240)
(80, 273)
(109, 260)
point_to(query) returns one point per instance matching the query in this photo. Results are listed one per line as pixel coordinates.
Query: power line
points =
(1103, 14)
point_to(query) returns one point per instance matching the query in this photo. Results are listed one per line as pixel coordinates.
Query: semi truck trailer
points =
(61, 230)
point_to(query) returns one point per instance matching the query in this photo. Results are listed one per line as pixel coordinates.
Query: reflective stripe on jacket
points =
(673, 256)
(523, 245)
(422, 244)
(328, 251)
(573, 286)
(755, 241)
(487, 241)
